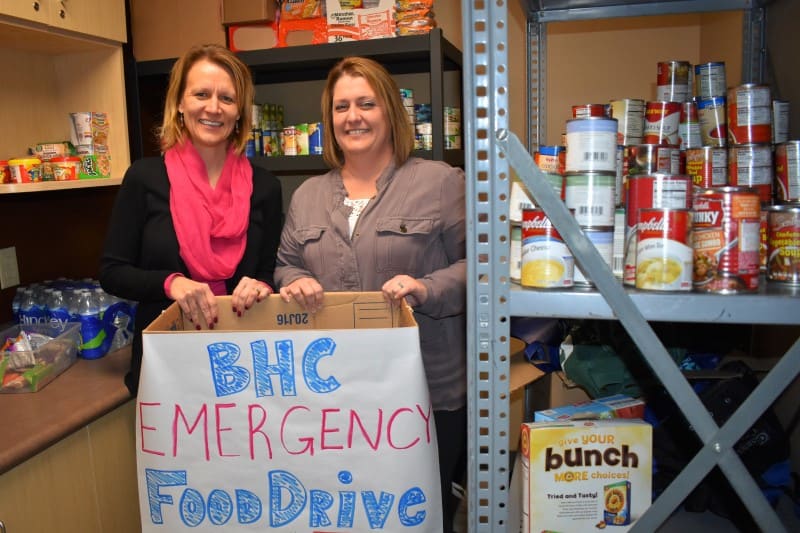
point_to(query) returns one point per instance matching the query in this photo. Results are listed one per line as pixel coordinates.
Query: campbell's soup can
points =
(629, 113)
(603, 241)
(787, 171)
(707, 166)
(546, 261)
(727, 223)
(713, 126)
(750, 165)
(664, 250)
(515, 253)
(780, 121)
(591, 145)
(589, 110)
(592, 196)
(689, 127)
(672, 82)
(710, 80)
(749, 114)
(551, 159)
(646, 191)
(661, 121)
(783, 243)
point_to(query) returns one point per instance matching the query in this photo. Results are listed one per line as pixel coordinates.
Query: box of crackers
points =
(585, 475)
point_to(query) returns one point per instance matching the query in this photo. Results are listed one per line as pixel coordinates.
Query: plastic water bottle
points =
(31, 309)
(57, 311)
(94, 343)
(19, 295)
(118, 320)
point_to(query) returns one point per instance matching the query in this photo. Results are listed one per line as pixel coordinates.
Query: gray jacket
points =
(414, 225)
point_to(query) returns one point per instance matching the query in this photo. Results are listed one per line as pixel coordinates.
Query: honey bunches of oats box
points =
(585, 475)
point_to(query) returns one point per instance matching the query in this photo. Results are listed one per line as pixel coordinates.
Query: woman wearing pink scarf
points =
(202, 220)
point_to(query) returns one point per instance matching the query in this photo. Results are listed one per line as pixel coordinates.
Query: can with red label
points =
(713, 125)
(707, 166)
(762, 240)
(787, 171)
(646, 191)
(589, 110)
(726, 238)
(689, 127)
(629, 113)
(672, 83)
(783, 243)
(551, 159)
(546, 261)
(661, 121)
(664, 250)
(750, 165)
(710, 79)
(749, 114)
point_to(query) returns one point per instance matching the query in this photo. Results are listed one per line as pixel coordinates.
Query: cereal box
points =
(581, 476)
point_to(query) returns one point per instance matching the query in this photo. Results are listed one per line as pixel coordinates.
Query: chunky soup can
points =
(664, 250)
(783, 243)
(726, 223)
(787, 171)
(546, 261)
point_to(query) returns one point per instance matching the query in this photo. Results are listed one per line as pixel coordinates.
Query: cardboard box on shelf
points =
(282, 406)
(248, 11)
(360, 23)
(616, 406)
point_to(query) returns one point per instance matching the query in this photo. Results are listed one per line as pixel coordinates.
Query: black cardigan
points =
(141, 248)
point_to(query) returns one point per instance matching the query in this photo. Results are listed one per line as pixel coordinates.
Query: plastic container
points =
(51, 351)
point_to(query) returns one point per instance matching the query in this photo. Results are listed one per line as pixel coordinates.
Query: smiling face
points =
(360, 122)
(209, 105)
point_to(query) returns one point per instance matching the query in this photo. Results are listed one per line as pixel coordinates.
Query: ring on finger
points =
(400, 284)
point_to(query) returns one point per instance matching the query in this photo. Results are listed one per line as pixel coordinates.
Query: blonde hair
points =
(387, 93)
(172, 129)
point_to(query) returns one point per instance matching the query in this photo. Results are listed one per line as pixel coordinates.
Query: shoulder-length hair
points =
(388, 95)
(172, 130)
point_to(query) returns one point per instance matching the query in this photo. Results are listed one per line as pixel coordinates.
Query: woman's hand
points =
(247, 292)
(403, 286)
(196, 300)
(305, 291)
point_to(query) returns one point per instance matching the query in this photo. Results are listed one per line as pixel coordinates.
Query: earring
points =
(236, 127)
(180, 118)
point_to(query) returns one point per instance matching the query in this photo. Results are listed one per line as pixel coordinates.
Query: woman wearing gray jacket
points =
(382, 220)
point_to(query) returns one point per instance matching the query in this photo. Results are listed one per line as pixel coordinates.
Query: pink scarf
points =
(211, 224)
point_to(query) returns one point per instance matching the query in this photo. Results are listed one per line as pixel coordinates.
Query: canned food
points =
(787, 171)
(749, 114)
(762, 240)
(707, 166)
(551, 159)
(603, 241)
(591, 145)
(589, 110)
(713, 126)
(645, 191)
(780, 121)
(591, 195)
(521, 198)
(652, 159)
(710, 79)
(673, 81)
(689, 127)
(546, 260)
(750, 165)
(618, 245)
(661, 121)
(515, 253)
(25, 170)
(726, 240)
(783, 243)
(629, 113)
(289, 141)
(664, 250)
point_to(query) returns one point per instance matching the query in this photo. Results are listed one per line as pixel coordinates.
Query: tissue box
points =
(52, 350)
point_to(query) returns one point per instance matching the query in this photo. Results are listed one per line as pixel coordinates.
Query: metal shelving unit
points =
(490, 151)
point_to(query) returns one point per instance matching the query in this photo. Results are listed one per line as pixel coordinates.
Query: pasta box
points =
(585, 475)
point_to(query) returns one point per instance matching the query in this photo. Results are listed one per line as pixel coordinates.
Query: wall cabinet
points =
(492, 152)
(97, 18)
(429, 54)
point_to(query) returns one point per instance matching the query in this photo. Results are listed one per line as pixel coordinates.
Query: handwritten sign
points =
(293, 430)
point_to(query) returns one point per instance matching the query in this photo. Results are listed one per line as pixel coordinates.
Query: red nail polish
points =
(235, 310)
(238, 313)
(211, 326)
(197, 327)
(216, 319)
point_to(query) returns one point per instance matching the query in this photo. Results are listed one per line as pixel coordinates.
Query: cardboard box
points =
(280, 406)
(247, 11)
(253, 36)
(586, 475)
(361, 23)
(616, 406)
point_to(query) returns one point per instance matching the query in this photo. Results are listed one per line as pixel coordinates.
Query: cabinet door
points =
(35, 10)
(101, 18)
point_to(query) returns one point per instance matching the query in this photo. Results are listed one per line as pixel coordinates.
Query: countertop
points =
(86, 391)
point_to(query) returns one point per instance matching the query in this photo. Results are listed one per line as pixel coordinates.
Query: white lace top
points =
(357, 206)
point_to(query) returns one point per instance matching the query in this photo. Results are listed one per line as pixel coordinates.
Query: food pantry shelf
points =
(19, 188)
